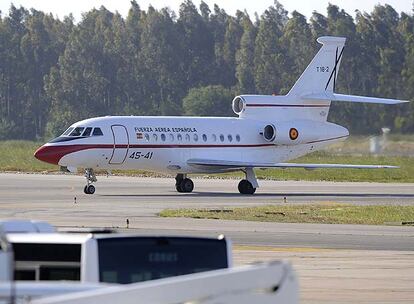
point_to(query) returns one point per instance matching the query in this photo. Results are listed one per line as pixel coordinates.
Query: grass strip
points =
(323, 213)
(18, 156)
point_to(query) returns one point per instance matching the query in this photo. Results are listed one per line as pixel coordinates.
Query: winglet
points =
(331, 40)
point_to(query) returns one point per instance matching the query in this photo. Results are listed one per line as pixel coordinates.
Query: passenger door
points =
(121, 144)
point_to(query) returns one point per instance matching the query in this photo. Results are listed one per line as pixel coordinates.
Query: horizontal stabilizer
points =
(351, 98)
(227, 164)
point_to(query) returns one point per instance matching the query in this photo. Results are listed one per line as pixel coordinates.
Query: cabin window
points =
(155, 136)
(230, 138)
(163, 137)
(187, 137)
(179, 137)
(195, 137)
(77, 131)
(147, 137)
(97, 132)
(87, 131)
(238, 138)
(171, 137)
(204, 137)
(214, 136)
(221, 137)
(67, 132)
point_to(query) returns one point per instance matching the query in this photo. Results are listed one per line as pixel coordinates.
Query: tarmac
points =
(335, 263)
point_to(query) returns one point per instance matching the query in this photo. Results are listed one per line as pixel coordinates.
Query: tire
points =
(85, 190)
(90, 189)
(246, 187)
(187, 185)
(178, 188)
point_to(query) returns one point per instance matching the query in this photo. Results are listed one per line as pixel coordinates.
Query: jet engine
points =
(269, 133)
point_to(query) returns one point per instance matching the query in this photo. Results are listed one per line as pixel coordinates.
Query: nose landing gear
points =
(183, 184)
(90, 178)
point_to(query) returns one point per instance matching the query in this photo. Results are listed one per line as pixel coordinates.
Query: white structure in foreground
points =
(264, 283)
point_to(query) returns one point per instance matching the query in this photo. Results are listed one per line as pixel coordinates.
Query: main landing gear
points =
(183, 184)
(248, 185)
(90, 178)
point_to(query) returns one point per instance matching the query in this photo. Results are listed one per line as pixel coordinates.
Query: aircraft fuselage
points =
(165, 144)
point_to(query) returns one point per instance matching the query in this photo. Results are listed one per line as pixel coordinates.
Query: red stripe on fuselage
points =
(53, 153)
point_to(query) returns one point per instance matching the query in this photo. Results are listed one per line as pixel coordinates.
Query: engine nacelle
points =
(302, 132)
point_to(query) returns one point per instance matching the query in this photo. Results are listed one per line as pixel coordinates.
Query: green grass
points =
(18, 156)
(396, 145)
(326, 213)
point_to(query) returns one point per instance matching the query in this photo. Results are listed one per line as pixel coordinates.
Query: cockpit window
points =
(77, 131)
(67, 131)
(97, 132)
(87, 131)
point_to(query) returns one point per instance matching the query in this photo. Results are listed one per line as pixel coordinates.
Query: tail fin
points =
(317, 82)
(320, 75)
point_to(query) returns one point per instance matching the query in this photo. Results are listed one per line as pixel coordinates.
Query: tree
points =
(217, 26)
(131, 73)
(40, 47)
(245, 58)
(208, 101)
(297, 40)
(403, 121)
(198, 45)
(84, 85)
(269, 59)
(12, 74)
(232, 37)
(161, 56)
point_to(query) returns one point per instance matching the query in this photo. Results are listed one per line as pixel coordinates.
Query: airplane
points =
(268, 132)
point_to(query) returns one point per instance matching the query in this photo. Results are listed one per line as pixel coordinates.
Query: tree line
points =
(54, 72)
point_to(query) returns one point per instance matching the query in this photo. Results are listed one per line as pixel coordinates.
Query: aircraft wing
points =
(228, 164)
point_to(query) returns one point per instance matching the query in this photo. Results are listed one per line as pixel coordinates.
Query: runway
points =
(335, 263)
(52, 198)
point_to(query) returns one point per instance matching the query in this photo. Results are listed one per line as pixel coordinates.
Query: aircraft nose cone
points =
(47, 154)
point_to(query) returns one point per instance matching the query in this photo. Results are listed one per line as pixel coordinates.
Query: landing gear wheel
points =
(90, 178)
(186, 185)
(178, 180)
(246, 187)
(183, 184)
(89, 189)
(178, 188)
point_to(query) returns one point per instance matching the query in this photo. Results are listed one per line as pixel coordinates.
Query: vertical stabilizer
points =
(320, 75)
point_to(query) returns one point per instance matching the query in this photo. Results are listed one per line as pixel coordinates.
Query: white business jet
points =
(268, 132)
